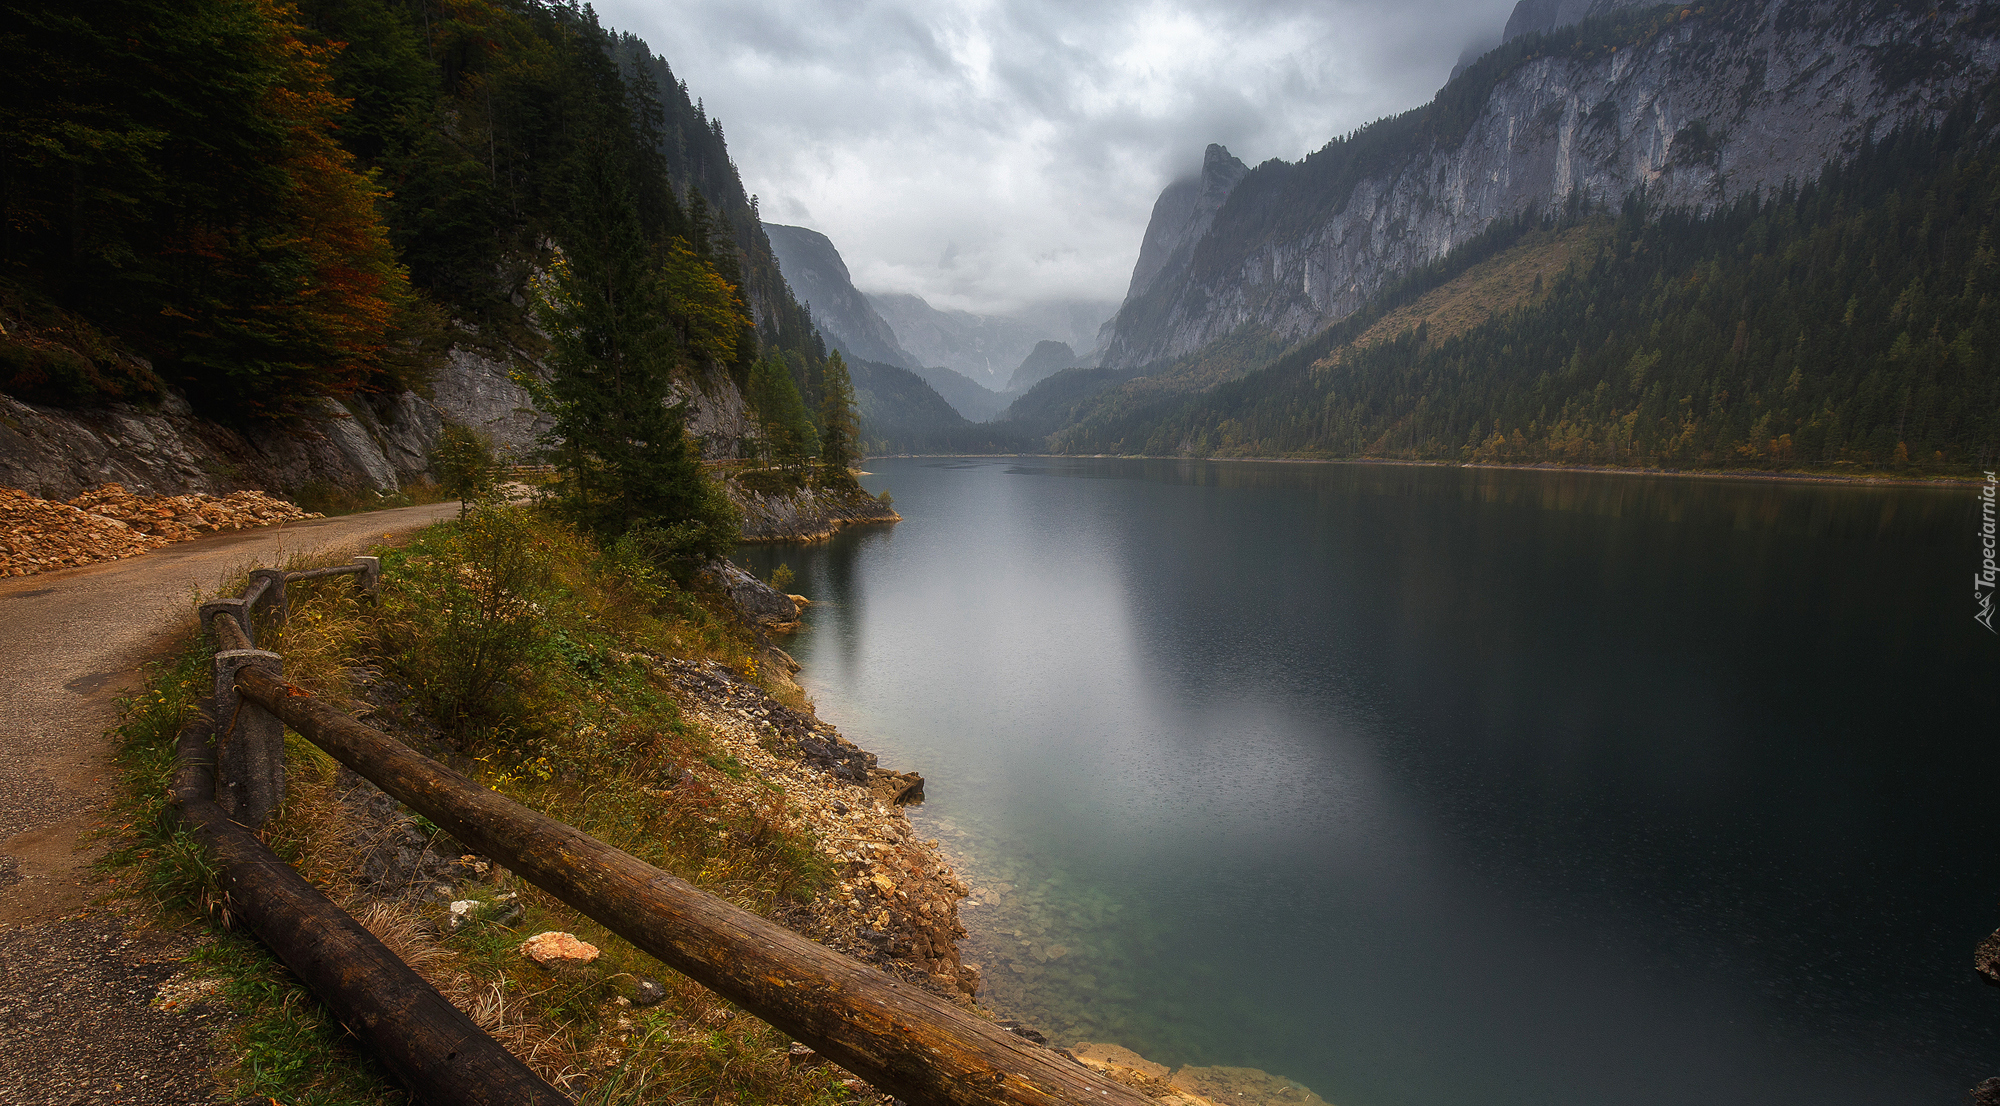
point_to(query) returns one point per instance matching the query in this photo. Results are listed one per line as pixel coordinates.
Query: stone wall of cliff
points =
(1703, 106)
(365, 443)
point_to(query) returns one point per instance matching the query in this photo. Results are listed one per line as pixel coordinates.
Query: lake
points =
(1430, 785)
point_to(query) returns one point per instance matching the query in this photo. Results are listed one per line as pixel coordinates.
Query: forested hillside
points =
(1845, 323)
(267, 203)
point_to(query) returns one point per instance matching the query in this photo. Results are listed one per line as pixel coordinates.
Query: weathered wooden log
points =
(268, 585)
(900, 1038)
(250, 741)
(317, 573)
(424, 1041)
(228, 630)
(243, 636)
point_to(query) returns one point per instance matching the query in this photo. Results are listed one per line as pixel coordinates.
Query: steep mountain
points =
(1181, 216)
(1697, 106)
(814, 270)
(1534, 17)
(900, 413)
(986, 348)
(969, 397)
(1846, 325)
(1048, 359)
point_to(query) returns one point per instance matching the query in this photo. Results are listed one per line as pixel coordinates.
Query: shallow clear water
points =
(1426, 785)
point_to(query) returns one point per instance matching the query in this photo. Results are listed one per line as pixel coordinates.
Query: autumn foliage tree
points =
(172, 173)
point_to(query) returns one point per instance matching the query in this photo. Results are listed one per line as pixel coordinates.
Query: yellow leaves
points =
(706, 309)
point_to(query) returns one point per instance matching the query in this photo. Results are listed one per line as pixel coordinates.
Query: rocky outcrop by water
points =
(805, 514)
(1724, 100)
(1192, 1086)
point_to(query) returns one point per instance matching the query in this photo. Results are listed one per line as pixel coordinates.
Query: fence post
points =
(274, 591)
(369, 580)
(237, 609)
(250, 741)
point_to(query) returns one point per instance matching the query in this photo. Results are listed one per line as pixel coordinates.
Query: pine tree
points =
(839, 428)
(789, 438)
(620, 434)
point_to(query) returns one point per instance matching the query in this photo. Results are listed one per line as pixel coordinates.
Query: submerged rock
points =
(1192, 1086)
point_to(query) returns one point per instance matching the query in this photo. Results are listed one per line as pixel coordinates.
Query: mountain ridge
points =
(812, 265)
(1696, 107)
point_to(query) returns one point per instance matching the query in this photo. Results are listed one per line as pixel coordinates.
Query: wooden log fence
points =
(902, 1039)
(898, 1037)
(425, 1041)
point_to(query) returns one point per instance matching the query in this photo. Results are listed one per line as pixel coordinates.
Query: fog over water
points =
(1440, 785)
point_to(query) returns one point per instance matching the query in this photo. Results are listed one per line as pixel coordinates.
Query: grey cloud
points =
(1030, 135)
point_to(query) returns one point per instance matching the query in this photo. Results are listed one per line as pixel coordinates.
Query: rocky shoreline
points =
(895, 902)
(805, 515)
(898, 898)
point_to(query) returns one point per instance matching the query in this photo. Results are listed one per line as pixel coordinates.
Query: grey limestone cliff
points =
(1700, 107)
(367, 442)
(1183, 213)
(817, 275)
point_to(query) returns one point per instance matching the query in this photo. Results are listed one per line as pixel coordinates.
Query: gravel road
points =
(78, 1022)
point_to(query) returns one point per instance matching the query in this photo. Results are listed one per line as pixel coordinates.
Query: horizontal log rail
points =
(418, 1035)
(228, 632)
(898, 1037)
(319, 573)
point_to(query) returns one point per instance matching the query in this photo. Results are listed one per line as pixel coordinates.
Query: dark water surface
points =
(1439, 786)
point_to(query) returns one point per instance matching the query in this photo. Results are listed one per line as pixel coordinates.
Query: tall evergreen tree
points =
(620, 432)
(789, 437)
(839, 428)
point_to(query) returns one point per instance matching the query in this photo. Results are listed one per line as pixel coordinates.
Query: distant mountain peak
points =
(844, 316)
(1048, 359)
(1182, 215)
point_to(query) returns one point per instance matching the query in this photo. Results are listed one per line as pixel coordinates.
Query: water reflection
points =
(1422, 784)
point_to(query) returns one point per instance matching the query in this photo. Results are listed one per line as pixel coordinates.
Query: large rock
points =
(805, 514)
(758, 601)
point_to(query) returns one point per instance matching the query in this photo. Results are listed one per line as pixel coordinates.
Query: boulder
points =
(759, 602)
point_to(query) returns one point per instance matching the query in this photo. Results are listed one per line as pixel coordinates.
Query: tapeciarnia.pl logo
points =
(1983, 580)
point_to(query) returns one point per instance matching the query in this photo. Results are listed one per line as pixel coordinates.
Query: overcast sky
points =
(986, 154)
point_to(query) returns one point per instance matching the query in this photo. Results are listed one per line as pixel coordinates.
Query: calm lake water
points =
(1439, 786)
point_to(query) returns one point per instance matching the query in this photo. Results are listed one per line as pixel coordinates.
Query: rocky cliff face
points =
(1697, 107)
(1533, 17)
(817, 275)
(369, 442)
(1181, 216)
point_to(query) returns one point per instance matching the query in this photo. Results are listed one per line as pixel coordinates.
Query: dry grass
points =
(1513, 279)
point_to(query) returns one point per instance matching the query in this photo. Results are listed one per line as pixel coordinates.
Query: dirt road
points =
(74, 1025)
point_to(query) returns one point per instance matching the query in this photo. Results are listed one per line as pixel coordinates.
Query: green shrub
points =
(464, 466)
(465, 613)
